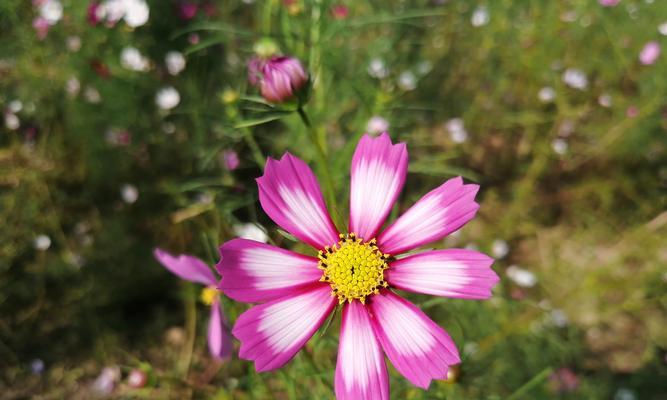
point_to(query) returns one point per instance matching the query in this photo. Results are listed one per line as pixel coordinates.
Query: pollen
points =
(208, 295)
(353, 268)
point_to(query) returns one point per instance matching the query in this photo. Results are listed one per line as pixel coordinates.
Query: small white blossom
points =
(520, 276)
(72, 86)
(605, 100)
(377, 125)
(546, 94)
(167, 98)
(480, 17)
(559, 146)
(251, 231)
(12, 122)
(42, 242)
(107, 380)
(456, 129)
(378, 69)
(407, 81)
(129, 193)
(575, 78)
(662, 28)
(136, 13)
(625, 394)
(132, 59)
(73, 43)
(15, 106)
(559, 318)
(51, 11)
(92, 95)
(175, 62)
(499, 248)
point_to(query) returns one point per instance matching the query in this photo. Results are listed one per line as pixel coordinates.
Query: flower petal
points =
(361, 372)
(256, 272)
(437, 214)
(464, 274)
(418, 348)
(272, 333)
(186, 267)
(219, 339)
(290, 195)
(378, 174)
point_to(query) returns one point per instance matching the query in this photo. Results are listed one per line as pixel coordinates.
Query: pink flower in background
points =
(195, 270)
(563, 380)
(609, 3)
(340, 11)
(279, 78)
(187, 10)
(41, 26)
(650, 53)
(632, 111)
(94, 13)
(230, 159)
(357, 269)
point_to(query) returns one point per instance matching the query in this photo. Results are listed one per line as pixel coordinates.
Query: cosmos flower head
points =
(195, 270)
(279, 78)
(358, 271)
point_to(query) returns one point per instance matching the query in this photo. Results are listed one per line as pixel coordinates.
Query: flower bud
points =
(279, 78)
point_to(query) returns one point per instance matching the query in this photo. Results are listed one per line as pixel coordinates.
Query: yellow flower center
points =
(353, 268)
(208, 295)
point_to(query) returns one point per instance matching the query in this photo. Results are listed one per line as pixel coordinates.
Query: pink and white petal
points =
(257, 272)
(459, 273)
(437, 214)
(361, 372)
(418, 348)
(186, 267)
(291, 196)
(219, 339)
(272, 333)
(378, 174)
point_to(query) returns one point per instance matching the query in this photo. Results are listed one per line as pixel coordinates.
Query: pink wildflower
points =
(279, 78)
(650, 53)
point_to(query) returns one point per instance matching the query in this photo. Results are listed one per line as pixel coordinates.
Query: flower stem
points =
(322, 160)
(254, 147)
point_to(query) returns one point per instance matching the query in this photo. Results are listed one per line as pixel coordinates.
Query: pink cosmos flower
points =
(195, 270)
(649, 53)
(340, 11)
(278, 78)
(609, 3)
(358, 270)
(41, 26)
(187, 10)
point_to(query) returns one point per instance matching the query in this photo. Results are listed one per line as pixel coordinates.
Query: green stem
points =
(254, 147)
(536, 380)
(322, 160)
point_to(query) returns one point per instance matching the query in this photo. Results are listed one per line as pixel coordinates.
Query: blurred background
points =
(130, 124)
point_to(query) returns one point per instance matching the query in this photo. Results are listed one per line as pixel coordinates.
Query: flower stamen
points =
(353, 268)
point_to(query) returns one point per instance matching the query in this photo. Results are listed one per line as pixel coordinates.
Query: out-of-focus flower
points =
(100, 69)
(563, 380)
(279, 78)
(340, 11)
(649, 53)
(559, 146)
(229, 96)
(296, 294)
(186, 10)
(51, 11)
(520, 276)
(559, 318)
(72, 86)
(575, 78)
(15, 106)
(377, 68)
(118, 137)
(95, 13)
(73, 43)
(193, 38)
(547, 94)
(168, 128)
(129, 193)
(625, 394)
(605, 100)
(37, 366)
(407, 81)
(137, 378)
(195, 270)
(92, 95)
(175, 62)
(480, 16)
(167, 98)
(662, 28)
(107, 380)
(42, 242)
(12, 121)
(609, 3)
(132, 59)
(377, 125)
(136, 13)
(230, 160)
(251, 231)
(632, 111)
(456, 129)
(41, 26)
(499, 248)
